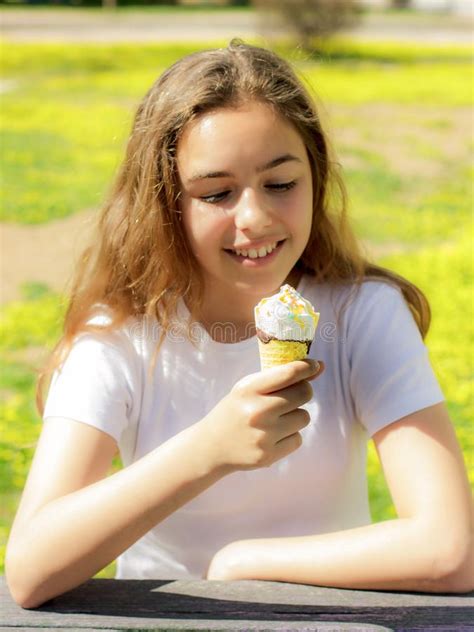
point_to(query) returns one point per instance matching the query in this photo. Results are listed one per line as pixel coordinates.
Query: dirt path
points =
(143, 26)
(45, 253)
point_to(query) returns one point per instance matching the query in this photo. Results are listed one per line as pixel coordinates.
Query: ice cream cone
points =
(276, 352)
(286, 324)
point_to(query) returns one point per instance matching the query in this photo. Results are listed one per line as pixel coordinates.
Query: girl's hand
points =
(259, 421)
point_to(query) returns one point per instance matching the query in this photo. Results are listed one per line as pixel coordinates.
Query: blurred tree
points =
(310, 20)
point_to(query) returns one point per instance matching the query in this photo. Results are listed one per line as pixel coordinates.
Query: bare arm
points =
(429, 548)
(72, 521)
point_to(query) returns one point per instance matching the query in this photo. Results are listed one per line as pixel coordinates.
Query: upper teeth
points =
(261, 252)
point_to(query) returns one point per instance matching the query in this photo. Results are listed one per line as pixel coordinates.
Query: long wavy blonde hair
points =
(140, 262)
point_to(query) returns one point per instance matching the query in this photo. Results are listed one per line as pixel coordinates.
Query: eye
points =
(215, 197)
(283, 186)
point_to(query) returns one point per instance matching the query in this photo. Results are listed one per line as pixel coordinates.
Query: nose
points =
(251, 213)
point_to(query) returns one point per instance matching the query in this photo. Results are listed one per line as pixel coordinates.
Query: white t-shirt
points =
(377, 371)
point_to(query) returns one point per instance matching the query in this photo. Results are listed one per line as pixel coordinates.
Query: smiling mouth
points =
(261, 253)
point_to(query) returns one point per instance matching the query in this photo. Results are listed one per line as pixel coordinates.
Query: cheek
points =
(203, 229)
(302, 212)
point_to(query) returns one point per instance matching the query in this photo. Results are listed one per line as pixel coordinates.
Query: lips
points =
(255, 252)
(258, 260)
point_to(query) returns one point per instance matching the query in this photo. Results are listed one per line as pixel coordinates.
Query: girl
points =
(227, 191)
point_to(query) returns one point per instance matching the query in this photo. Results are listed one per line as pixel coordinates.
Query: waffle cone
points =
(277, 352)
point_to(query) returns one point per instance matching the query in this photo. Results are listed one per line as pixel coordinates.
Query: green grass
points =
(445, 274)
(383, 199)
(33, 59)
(450, 84)
(400, 116)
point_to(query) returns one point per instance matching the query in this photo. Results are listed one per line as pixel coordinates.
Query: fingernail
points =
(316, 365)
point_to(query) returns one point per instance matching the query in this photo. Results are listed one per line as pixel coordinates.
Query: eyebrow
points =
(276, 162)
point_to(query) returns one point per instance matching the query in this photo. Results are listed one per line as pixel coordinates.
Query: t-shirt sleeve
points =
(95, 384)
(390, 371)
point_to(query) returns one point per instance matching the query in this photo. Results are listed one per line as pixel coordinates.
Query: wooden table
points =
(107, 604)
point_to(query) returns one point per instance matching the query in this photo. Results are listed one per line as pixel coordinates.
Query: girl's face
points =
(246, 198)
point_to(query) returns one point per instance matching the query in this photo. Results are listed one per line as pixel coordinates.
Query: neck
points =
(230, 319)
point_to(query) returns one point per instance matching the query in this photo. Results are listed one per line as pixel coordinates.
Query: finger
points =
(322, 368)
(287, 446)
(288, 399)
(279, 377)
(292, 422)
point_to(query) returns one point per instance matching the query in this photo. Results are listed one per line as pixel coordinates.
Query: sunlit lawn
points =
(400, 117)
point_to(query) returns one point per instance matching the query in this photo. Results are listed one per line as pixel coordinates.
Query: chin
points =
(264, 288)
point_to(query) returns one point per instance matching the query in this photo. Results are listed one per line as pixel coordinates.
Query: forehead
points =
(250, 134)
